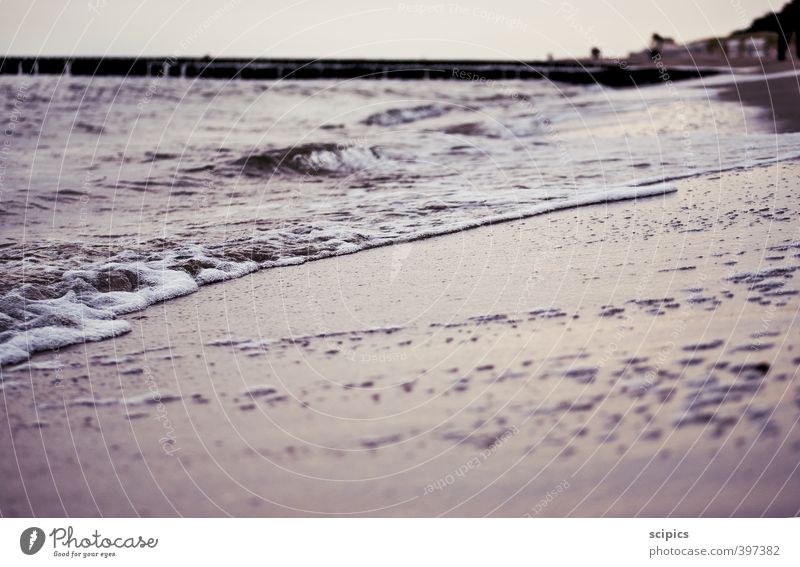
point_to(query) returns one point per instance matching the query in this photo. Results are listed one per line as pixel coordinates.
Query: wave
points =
(396, 116)
(310, 159)
(46, 311)
(85, 304)
(521, 127)
(249, 207)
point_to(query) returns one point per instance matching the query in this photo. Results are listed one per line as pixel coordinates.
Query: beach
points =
(627, 359)
(535, 352)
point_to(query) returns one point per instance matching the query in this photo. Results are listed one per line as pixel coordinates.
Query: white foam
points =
(343, 160)
(89, 316)
(83, 324)
(155, 285)
(225, 271)
(260, 390)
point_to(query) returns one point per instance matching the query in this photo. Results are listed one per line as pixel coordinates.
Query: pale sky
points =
(485, 29)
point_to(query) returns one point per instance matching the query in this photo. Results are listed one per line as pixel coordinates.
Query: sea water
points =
(116, 193)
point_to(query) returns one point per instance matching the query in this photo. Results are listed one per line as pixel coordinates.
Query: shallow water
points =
(118, 193)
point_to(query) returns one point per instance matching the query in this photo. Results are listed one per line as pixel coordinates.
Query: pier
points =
(609, 74)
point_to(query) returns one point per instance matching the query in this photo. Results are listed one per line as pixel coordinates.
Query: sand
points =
(635, 359)
(769, 97)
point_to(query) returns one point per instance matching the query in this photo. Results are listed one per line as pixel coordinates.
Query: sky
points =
(482, 29)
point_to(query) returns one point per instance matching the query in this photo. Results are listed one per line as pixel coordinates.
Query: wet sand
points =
(634, 359)
(777, 98)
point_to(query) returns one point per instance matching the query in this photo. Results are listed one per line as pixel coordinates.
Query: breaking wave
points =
(175, 198)
(310, 159)
(84, 305)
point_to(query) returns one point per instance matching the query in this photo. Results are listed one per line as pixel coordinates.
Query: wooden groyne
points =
(273, 69)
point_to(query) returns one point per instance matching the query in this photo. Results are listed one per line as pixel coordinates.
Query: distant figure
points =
(785, 23)
(595, 53)
(656, 45)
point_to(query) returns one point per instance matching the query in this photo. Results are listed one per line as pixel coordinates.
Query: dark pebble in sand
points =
(584, 375)
(607, 437)
(759, 413)
(665, 394)
(722, 424)
(651, 435)
(763, 334)
(653, 302)
(376, 442)
(704, 346)
(577, 405)
(611, 311)
(694, 418)
(257, 391)
(751, 371)
(753, 347)
(131, 371)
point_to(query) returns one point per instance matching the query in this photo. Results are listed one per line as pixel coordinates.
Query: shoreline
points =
(110, 319)
(584, 344)
(97, 329)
